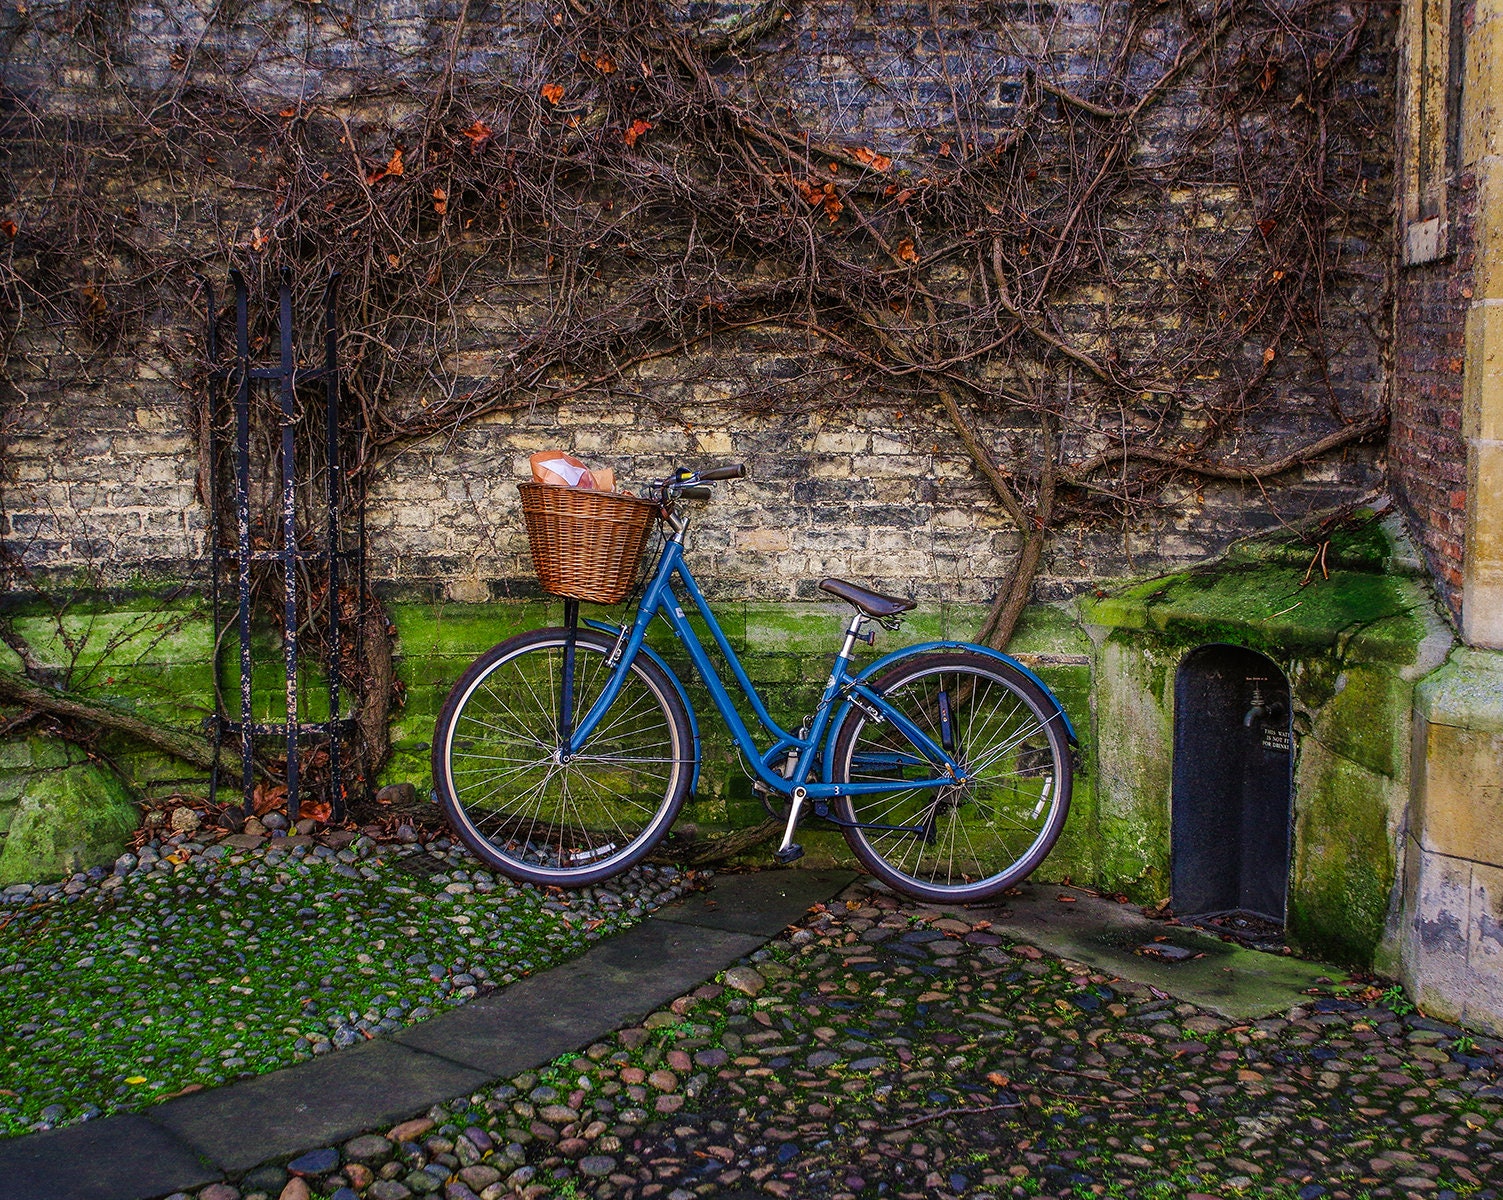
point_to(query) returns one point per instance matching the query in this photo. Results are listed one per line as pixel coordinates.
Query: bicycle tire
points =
(533, 817)
(984, 835)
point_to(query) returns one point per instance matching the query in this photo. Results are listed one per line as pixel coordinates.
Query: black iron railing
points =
(300, 542)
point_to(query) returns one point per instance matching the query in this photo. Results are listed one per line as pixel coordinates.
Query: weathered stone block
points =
(70, 818)
(1342, 878)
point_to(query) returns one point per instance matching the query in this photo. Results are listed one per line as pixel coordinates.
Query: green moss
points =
(70, 817)
(1045, 629)
(1134, 702)
(1344, 866)
(1366, 720)
(1359, 543)
(465, 630)
(1270, 608)
(1467, 692)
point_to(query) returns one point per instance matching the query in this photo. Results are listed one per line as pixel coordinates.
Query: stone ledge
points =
(1466, 692)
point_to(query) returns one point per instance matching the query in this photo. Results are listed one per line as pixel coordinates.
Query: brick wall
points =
(100, 476)
(1426, 447)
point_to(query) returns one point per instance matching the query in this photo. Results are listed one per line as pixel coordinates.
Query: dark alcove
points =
(1233, 784)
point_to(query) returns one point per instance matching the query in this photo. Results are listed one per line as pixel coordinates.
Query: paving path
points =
(210, 1135)
(880, 1050)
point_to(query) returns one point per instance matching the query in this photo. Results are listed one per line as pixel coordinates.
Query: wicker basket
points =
(586, 545)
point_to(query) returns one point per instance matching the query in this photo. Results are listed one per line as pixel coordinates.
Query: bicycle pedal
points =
(793, 853)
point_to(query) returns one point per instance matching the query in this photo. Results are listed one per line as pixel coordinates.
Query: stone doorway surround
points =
(1353, 645)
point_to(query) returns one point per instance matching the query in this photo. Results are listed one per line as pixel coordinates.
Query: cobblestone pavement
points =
(195, 962)
(883, 1049)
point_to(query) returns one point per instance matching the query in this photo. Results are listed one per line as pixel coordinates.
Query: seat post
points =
(852, 633)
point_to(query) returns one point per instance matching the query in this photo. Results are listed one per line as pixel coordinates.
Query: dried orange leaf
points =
(870, 158)
(440, 201)
(906, 251)
(393, 167)
(10, 229)
(1268, 354)
(479, 133)
(553, 92)
(635, 130)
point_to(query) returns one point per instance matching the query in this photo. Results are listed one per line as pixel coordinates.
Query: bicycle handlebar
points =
(683, 484)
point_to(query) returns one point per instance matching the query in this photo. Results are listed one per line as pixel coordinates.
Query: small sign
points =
(1276, 739)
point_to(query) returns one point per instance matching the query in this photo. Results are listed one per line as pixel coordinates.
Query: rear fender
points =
(896, 656)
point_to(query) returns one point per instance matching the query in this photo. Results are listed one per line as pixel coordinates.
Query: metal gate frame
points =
(334, 551)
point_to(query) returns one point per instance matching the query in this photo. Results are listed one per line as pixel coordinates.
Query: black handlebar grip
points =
(734, 471)
(695, 493)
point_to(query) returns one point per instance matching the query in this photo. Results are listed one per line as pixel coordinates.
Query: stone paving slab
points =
(312, 1103)
(535, 1021)
(625, 978)
(84, 1162)
(1235, 982)
(763, 904)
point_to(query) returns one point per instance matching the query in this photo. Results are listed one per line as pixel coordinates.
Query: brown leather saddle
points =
(873, 604)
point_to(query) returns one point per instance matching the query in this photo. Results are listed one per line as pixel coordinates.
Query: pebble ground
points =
(195, 962)
(882, 1049)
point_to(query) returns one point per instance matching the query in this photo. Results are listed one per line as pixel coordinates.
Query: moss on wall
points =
(1342, 877)
(1352, 644)
(61, 812)
(1135, 748)
(786, 649)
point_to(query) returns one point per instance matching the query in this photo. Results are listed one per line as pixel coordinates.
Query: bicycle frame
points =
(660, 597)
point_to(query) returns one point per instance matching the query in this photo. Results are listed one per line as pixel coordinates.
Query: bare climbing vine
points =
(1120, 248)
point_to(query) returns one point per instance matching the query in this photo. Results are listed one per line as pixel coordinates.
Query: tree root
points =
(194, 749)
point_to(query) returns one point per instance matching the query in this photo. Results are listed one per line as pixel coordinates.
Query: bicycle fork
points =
(566, 695)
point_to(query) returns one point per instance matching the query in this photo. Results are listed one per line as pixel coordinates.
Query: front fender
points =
(678, 686)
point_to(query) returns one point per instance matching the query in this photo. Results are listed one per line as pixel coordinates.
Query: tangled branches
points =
(1116, 247)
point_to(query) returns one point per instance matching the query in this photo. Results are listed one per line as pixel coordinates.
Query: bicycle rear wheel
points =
(972, 840)
(524, 808)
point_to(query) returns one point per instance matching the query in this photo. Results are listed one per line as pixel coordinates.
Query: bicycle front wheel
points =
(530, 811)
(957, 843)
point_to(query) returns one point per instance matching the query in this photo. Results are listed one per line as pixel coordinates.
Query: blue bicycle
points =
(562, 756)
